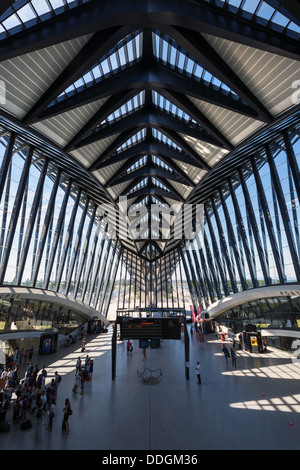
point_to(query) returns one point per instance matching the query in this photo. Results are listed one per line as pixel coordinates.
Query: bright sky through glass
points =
(22, 12)
(261, 10)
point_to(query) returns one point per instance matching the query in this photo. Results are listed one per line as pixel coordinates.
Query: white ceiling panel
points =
(268, 76)
(235, 127)
(63, 127)
(29, 76)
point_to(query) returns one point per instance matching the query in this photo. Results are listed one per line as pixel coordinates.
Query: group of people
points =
(9, 379)
(228, 354)
(35, 397)
(84, 372)
(24, 356)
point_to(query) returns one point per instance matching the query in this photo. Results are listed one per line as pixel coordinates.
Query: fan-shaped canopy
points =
(152, 101)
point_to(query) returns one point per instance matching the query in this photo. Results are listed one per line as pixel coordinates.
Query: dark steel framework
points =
(256, 243)
(149, 119)
(51, 235)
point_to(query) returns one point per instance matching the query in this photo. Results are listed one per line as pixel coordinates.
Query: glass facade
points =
(33, 315)
(157, 284)
(250, 234)
(51, 235)
(273, 313)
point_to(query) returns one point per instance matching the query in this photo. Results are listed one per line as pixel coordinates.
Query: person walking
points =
(198, 372)
(144, 354)
(82, 380)
(16, 355)
(91, 368)
(78, 367)
(233, 358)
(226, 353)
(38, 421)
(30, 354)
(44, 372)
(21, 356)
(51, 414)
(57, 378)
(67, 412)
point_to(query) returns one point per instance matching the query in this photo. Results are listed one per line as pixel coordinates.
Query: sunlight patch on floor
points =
(286, 404)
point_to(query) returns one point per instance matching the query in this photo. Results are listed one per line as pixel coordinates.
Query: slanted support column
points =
(114, 351)
(186, 351)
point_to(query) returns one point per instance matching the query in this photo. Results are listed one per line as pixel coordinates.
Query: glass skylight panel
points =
(262, 12)
(258, 10)
(225, 87)
(294, 27)
(26, 13)
(250, 5)
(141, 162)
(216, 81)
(121, 55)
(11, 22)
(138, 137)
(139, 185)
(143, 202)
(158, 202)
(280, 19)
(130, 51)
(164, 139)
(265, 11)
(189, 66)
(170, 108)
(88, 77)
(79, 83)
(40, 6)
(160, 185)
(235, 3)
(129, 107)
(105, 67)
(20, 15)
(57, 3)
(159, 162)
(167, 51)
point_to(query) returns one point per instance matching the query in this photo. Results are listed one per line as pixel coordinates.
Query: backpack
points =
(59, 379)
(39, 413)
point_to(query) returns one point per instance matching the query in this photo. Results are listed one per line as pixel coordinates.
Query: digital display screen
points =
(150, 328)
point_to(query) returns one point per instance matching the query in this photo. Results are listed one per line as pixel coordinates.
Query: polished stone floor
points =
(256, 406)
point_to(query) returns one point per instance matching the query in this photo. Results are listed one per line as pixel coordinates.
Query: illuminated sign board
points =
(150, 328)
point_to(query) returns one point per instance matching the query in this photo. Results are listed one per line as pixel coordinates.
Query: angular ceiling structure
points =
(144, 100)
